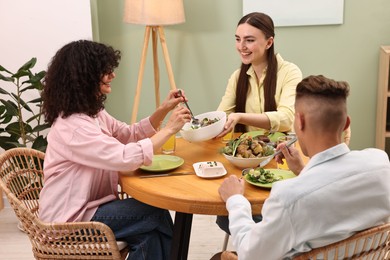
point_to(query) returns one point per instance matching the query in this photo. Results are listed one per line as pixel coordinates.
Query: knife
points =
(167, 174)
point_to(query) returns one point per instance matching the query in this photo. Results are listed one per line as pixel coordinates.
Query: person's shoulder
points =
(373, 153)
(287, 66)
(371, 159)
(235, 73)
(74, 118)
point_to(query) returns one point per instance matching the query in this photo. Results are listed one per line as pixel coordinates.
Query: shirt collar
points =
(327, 155)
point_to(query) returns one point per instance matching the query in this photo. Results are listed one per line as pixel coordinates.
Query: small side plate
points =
(163, 162)
(209, 169)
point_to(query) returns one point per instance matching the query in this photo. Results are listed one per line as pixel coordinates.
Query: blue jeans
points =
(146, 229)
(223, 222)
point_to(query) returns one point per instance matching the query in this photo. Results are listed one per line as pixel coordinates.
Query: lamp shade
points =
(154, 12)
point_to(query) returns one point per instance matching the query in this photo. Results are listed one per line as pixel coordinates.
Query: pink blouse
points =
(82, 161)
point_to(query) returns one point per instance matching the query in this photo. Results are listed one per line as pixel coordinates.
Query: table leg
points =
(181, 236)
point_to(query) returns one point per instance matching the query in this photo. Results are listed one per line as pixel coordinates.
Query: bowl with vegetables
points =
(211, 124)
(248, 151)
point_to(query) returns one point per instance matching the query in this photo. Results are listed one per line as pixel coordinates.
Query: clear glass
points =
(170, 145)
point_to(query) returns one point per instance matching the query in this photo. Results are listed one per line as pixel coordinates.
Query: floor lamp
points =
(154, 14)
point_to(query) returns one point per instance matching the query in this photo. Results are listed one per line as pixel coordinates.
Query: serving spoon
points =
(194, 122)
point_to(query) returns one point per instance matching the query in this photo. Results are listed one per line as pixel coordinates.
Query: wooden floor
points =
(206, 238)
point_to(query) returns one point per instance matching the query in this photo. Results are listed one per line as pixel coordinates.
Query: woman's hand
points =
(231, 122)
(180, 115)
(292, 156)
(173, 99)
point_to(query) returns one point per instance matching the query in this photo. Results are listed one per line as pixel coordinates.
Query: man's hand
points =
(293, 158)
(231, 186)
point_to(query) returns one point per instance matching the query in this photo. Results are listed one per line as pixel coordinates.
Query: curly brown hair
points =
(72, 81)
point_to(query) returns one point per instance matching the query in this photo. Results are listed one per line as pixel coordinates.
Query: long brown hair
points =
(264, 23)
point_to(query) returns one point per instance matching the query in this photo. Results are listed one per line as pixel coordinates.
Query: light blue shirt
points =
(338, 193)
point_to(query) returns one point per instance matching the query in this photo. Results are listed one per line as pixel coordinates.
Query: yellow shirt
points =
(288, 76)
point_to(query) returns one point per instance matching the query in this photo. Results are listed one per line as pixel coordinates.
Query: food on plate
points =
(246, 146)
(211, 168)
(205, 122)
(260, 175)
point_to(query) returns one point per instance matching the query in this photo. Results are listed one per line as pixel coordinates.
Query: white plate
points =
(210, 169)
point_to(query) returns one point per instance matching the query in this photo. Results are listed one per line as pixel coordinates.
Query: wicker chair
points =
(369, 244)
(21, 179)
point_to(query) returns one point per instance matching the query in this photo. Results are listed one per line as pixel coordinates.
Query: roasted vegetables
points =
(205, 122)
(247, 146)
(263, 176)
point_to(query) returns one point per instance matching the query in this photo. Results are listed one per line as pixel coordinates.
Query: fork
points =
(266, 161)
(194, 122)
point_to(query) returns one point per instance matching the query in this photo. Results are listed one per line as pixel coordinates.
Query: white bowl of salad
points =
(211, 124)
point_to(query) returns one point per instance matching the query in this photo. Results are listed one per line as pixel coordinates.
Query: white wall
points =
(38, 28)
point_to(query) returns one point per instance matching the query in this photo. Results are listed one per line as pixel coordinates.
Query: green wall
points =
(203, 55)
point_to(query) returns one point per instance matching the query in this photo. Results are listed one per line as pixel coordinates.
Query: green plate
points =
(163, 162)
(273, 137)
(277, 172)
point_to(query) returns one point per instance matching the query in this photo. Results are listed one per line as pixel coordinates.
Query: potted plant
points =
(21, 120)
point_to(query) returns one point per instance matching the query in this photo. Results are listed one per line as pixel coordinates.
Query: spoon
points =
(194, 122)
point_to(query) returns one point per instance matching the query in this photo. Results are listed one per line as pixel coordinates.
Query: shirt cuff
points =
(273, 120)
(237, 200)
(147, 148)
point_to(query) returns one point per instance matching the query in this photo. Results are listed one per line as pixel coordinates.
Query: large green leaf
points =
(21, 73)
(6, 119)
(7, 142)
(4, 69)
(4, 78)
(11, 107)
(27, 88)
(36, 100)
(40, 144)
(28, 65)
(36, 78)
(39, 128)
(2, 109)
(13, 128)
(3, 91)
(22, 103)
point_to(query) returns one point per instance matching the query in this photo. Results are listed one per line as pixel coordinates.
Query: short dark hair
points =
(325, 100)
(72, 81)
(321, 86)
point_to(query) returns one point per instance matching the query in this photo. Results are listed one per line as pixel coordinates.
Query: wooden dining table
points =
(190, 194)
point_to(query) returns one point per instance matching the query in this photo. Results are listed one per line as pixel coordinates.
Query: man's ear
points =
(347, 123)
(300, 121)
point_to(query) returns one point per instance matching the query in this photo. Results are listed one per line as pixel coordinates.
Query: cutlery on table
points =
(266, 161)
(167, 174)
(194, 122)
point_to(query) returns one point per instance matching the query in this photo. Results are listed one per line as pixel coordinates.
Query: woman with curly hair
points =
(87, 147)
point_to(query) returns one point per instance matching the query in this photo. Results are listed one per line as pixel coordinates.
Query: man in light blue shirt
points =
(338, 193)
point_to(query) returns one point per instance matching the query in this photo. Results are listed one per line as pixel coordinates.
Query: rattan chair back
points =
(369, 244)
(21, 179)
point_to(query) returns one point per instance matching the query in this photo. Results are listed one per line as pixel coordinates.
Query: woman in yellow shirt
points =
(261, 93)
